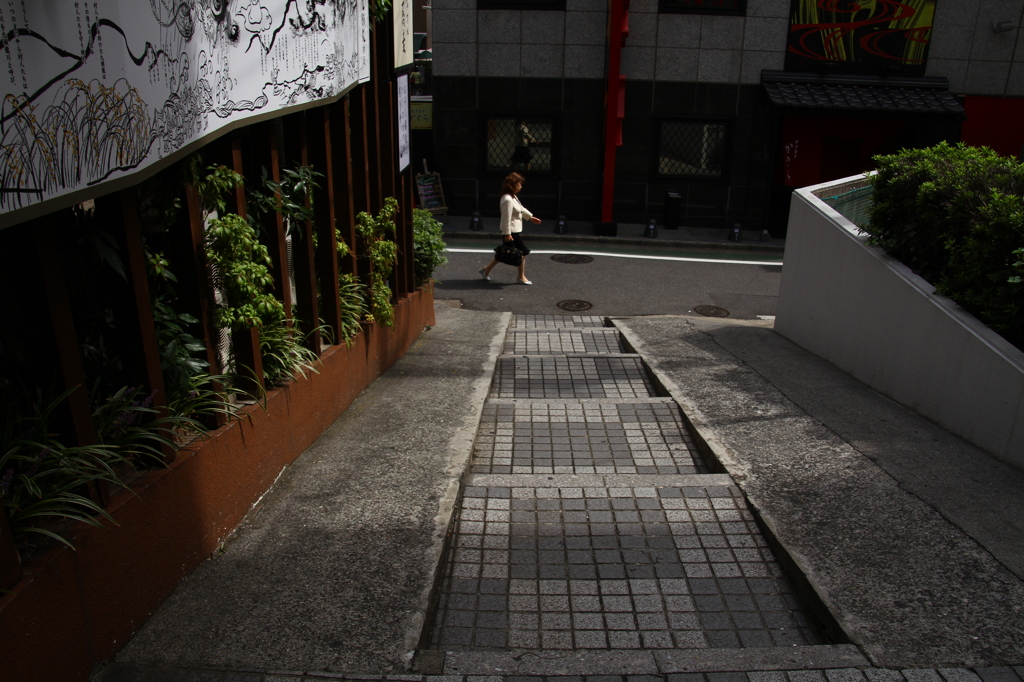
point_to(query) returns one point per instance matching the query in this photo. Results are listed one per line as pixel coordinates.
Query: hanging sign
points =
(401, 18)
(403, 122)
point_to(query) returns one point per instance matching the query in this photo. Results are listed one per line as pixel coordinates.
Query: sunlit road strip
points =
(630, 255)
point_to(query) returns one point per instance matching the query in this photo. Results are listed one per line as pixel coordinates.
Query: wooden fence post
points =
(10, 562)
(373, 123)
(203, 288)
(320, 144)
(246, 343)
(268, 153)
(63, 328)
(144, 330)
(343, 159)
(303, 253)
(358, 121)
(408, 253)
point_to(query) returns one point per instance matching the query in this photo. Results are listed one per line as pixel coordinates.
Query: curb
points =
(651, 662)
(460, 448)
(753, 247)
(720, 458)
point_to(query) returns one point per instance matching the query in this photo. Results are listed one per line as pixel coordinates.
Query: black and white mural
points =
(96, 89)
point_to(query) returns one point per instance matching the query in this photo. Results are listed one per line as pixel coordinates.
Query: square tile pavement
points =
(571, 377)
(584, 438)
(555, 321)
(613, 568)
(562, 341)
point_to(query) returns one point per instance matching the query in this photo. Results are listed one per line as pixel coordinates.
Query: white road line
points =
(629, 255)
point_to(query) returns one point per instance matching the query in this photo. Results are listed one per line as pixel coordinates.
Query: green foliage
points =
(216, 186)
(428, 245)
(379, 11)
(352, 295)
(42, 481)
(293, 196)
(955, 215)
(283, 354)
(340, 245)
(382, 253)
(128, 423)
(242, 267)
(1018, 266)
(180, 353)
(205, 397)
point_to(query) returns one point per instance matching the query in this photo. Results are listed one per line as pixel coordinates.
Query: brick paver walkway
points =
(589, 520)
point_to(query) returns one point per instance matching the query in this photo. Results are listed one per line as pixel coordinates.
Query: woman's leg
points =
(522, 270)
(486, 270)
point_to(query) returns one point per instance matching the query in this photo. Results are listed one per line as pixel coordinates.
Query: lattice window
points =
(727, 7)
(692, 149)
(515, 144)
(521, 4)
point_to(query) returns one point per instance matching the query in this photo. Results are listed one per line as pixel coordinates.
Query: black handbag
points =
(507, 254)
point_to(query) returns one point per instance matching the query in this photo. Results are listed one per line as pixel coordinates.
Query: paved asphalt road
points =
(614, 285)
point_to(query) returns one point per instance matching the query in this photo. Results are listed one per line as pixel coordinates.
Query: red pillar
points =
(618, 30)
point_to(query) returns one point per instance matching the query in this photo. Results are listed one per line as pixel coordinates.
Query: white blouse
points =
(512, 214)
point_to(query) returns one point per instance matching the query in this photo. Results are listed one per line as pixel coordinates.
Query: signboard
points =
(97, 90)
(401, 21)
(431, 197)
(422, 115)
(403, 122)
(849, 38)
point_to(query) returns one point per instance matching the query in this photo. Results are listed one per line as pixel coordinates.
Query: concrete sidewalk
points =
(907, 538)
(333, 570)
(911, 537)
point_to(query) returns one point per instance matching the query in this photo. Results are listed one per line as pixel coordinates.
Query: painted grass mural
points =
(97, 89)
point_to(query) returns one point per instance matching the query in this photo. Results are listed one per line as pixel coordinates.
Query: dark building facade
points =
(727, 106)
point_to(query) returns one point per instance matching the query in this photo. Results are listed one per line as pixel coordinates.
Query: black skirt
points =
(518, 240)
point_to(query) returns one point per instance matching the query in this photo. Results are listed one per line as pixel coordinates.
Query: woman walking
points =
(512, 214)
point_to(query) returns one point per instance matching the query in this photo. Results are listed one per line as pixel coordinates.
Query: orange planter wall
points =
(74, 608)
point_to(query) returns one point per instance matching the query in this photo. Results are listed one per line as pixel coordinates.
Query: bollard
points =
(673, 209)
(652, 229)
(736, 234)
(475, 223)
(561, 227)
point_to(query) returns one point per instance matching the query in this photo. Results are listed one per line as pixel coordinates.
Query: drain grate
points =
(711, 311)
(572, 258)
(574, 305)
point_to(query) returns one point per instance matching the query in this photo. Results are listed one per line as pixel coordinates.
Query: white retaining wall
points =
(868, 314)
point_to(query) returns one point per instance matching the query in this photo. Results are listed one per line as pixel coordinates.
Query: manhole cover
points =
(711, 311)
(573, 258)
(576, 306)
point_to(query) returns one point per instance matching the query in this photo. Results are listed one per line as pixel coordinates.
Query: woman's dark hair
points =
(508, 184)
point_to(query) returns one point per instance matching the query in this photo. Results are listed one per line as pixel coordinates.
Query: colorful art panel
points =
(95, 90)
(860, 36)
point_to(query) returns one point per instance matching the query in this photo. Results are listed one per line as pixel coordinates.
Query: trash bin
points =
(673, 207)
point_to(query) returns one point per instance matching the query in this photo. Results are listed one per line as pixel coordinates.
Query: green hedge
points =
(954, 214)
(428, 245)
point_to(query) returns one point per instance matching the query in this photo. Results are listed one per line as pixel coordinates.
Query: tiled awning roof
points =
(852, 93)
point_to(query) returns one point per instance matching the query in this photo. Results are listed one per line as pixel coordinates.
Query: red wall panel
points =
(996, 122)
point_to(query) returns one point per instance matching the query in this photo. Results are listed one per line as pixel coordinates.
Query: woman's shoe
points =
(524, 281)
(483, 273)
